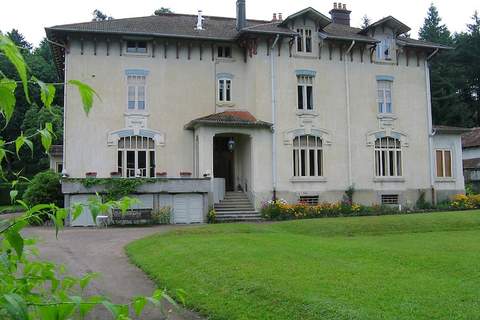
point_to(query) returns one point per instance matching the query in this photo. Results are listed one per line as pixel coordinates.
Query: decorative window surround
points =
(374, 135)
(157, 136)
(305, 73)
(385, 78)
(137, 72)
(323, 134)
(388, 158)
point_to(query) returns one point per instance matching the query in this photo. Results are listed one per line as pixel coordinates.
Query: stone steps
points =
(236, 207)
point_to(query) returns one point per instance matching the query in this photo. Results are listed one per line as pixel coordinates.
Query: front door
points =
(223, 162)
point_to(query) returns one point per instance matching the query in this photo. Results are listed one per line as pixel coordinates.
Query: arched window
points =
(388, 157)
(307, 156)
(136, 157)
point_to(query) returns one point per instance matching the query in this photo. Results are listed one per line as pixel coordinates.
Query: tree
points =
(447, 105)
(162, 10)
(100, 16)
(19, 39)
(433, 29)
(365, 22)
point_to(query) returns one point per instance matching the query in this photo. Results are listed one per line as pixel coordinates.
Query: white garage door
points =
(85, 219)
(188, 208)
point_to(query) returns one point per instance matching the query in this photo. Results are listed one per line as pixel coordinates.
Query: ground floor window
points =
(388, 157)
(444, 163)
(307, 156)
(136, 157)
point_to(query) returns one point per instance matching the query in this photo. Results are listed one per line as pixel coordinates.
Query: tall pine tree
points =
(447, 105)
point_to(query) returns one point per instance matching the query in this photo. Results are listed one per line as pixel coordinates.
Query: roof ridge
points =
(159, 15)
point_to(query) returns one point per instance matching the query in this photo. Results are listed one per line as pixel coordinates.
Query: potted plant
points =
(185, 174)
(161, 174)
(115, 175)
(91, 174)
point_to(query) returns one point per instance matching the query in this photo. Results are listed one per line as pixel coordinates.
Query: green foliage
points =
(348, 196)
(162, 215)
(86, 93)
(162, 10)
(100, 16)
(212, 216)
(45, 187)
(421, 203)
(6, 188)
(115, 188)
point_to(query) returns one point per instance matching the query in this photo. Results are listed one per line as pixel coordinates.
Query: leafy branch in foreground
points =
(31, 288)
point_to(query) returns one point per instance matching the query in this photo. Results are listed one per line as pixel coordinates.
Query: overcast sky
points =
(31, 16)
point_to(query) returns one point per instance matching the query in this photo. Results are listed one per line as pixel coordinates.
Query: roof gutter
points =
(433, 54)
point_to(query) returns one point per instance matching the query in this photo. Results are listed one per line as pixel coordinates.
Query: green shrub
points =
(212, 216)
(45, 187)
(162, 216)
(5, 189)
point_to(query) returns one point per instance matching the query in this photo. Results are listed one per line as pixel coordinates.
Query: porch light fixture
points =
(231, 144)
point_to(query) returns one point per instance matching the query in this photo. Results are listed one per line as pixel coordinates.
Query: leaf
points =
(77, 211)
(91, 303)
(46, 136)
(15, 240)
(13, 195)
(7, 98)
(86, 93)
(20, 142)
(138, 305)
(12, 53)
(47, 92)
(16, 306)
(114, 310)
(86, 279)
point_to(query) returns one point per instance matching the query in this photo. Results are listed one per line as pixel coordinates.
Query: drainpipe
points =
(64, 156)
(431, 132)
(347, 93)
(274, 118)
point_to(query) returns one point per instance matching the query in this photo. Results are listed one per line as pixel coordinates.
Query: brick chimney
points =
(241, 15)
(340, 14)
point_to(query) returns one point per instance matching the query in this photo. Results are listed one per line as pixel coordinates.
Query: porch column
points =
(205, 151)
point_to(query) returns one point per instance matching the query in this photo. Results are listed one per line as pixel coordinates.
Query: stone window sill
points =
(445, 180)
(385, 62)
(136, 113)
(308, 179)
(389, 179)
(310, 113)
(225, 104)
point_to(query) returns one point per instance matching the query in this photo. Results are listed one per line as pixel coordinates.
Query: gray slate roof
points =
(343, 32)
(173, 25)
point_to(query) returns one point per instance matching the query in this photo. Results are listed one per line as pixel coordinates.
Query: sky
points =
(30, 17)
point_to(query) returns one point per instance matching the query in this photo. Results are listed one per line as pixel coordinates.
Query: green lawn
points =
(424, 266)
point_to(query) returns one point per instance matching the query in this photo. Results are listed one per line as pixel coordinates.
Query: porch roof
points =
(228, 118)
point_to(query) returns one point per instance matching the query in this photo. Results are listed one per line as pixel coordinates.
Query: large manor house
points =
(300, 107)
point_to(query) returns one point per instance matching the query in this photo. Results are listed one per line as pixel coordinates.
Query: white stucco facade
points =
(181, 85)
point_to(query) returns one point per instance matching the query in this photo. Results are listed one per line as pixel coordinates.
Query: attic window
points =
(137, 46)
(224, 51)
(304, 40)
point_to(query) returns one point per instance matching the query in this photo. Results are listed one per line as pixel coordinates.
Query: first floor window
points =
(384, 96)
(224, 90)
(136, 157)
(388, 157)
(307, 156)
(224, 52)
(305, 93)
(136, 92)
(444, 163)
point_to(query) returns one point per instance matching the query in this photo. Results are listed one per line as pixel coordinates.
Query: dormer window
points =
(224, 52)
(304, 40)
(385, 49)
(136, 46)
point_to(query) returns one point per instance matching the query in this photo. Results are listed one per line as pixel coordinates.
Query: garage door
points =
(188, 208)
(85, 219)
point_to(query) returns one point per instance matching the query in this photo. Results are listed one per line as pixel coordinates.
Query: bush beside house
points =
(45, 187)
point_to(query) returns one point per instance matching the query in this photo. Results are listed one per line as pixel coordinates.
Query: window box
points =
(91, 175)
(161, 174)
(185, 174)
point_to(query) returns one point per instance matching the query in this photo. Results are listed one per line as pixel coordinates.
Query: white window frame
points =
(303, 83)
(384, 45)
(444, 168)
(383, 154)
(384, 96)
(136, 82)
(146, 147)
(136, 52)
(227, 84)
(317, 148)
(304, 33)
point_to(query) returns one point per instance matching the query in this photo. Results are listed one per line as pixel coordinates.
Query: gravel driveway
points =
(84, 250)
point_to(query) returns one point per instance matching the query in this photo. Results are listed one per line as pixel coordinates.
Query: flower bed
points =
(281, 210)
